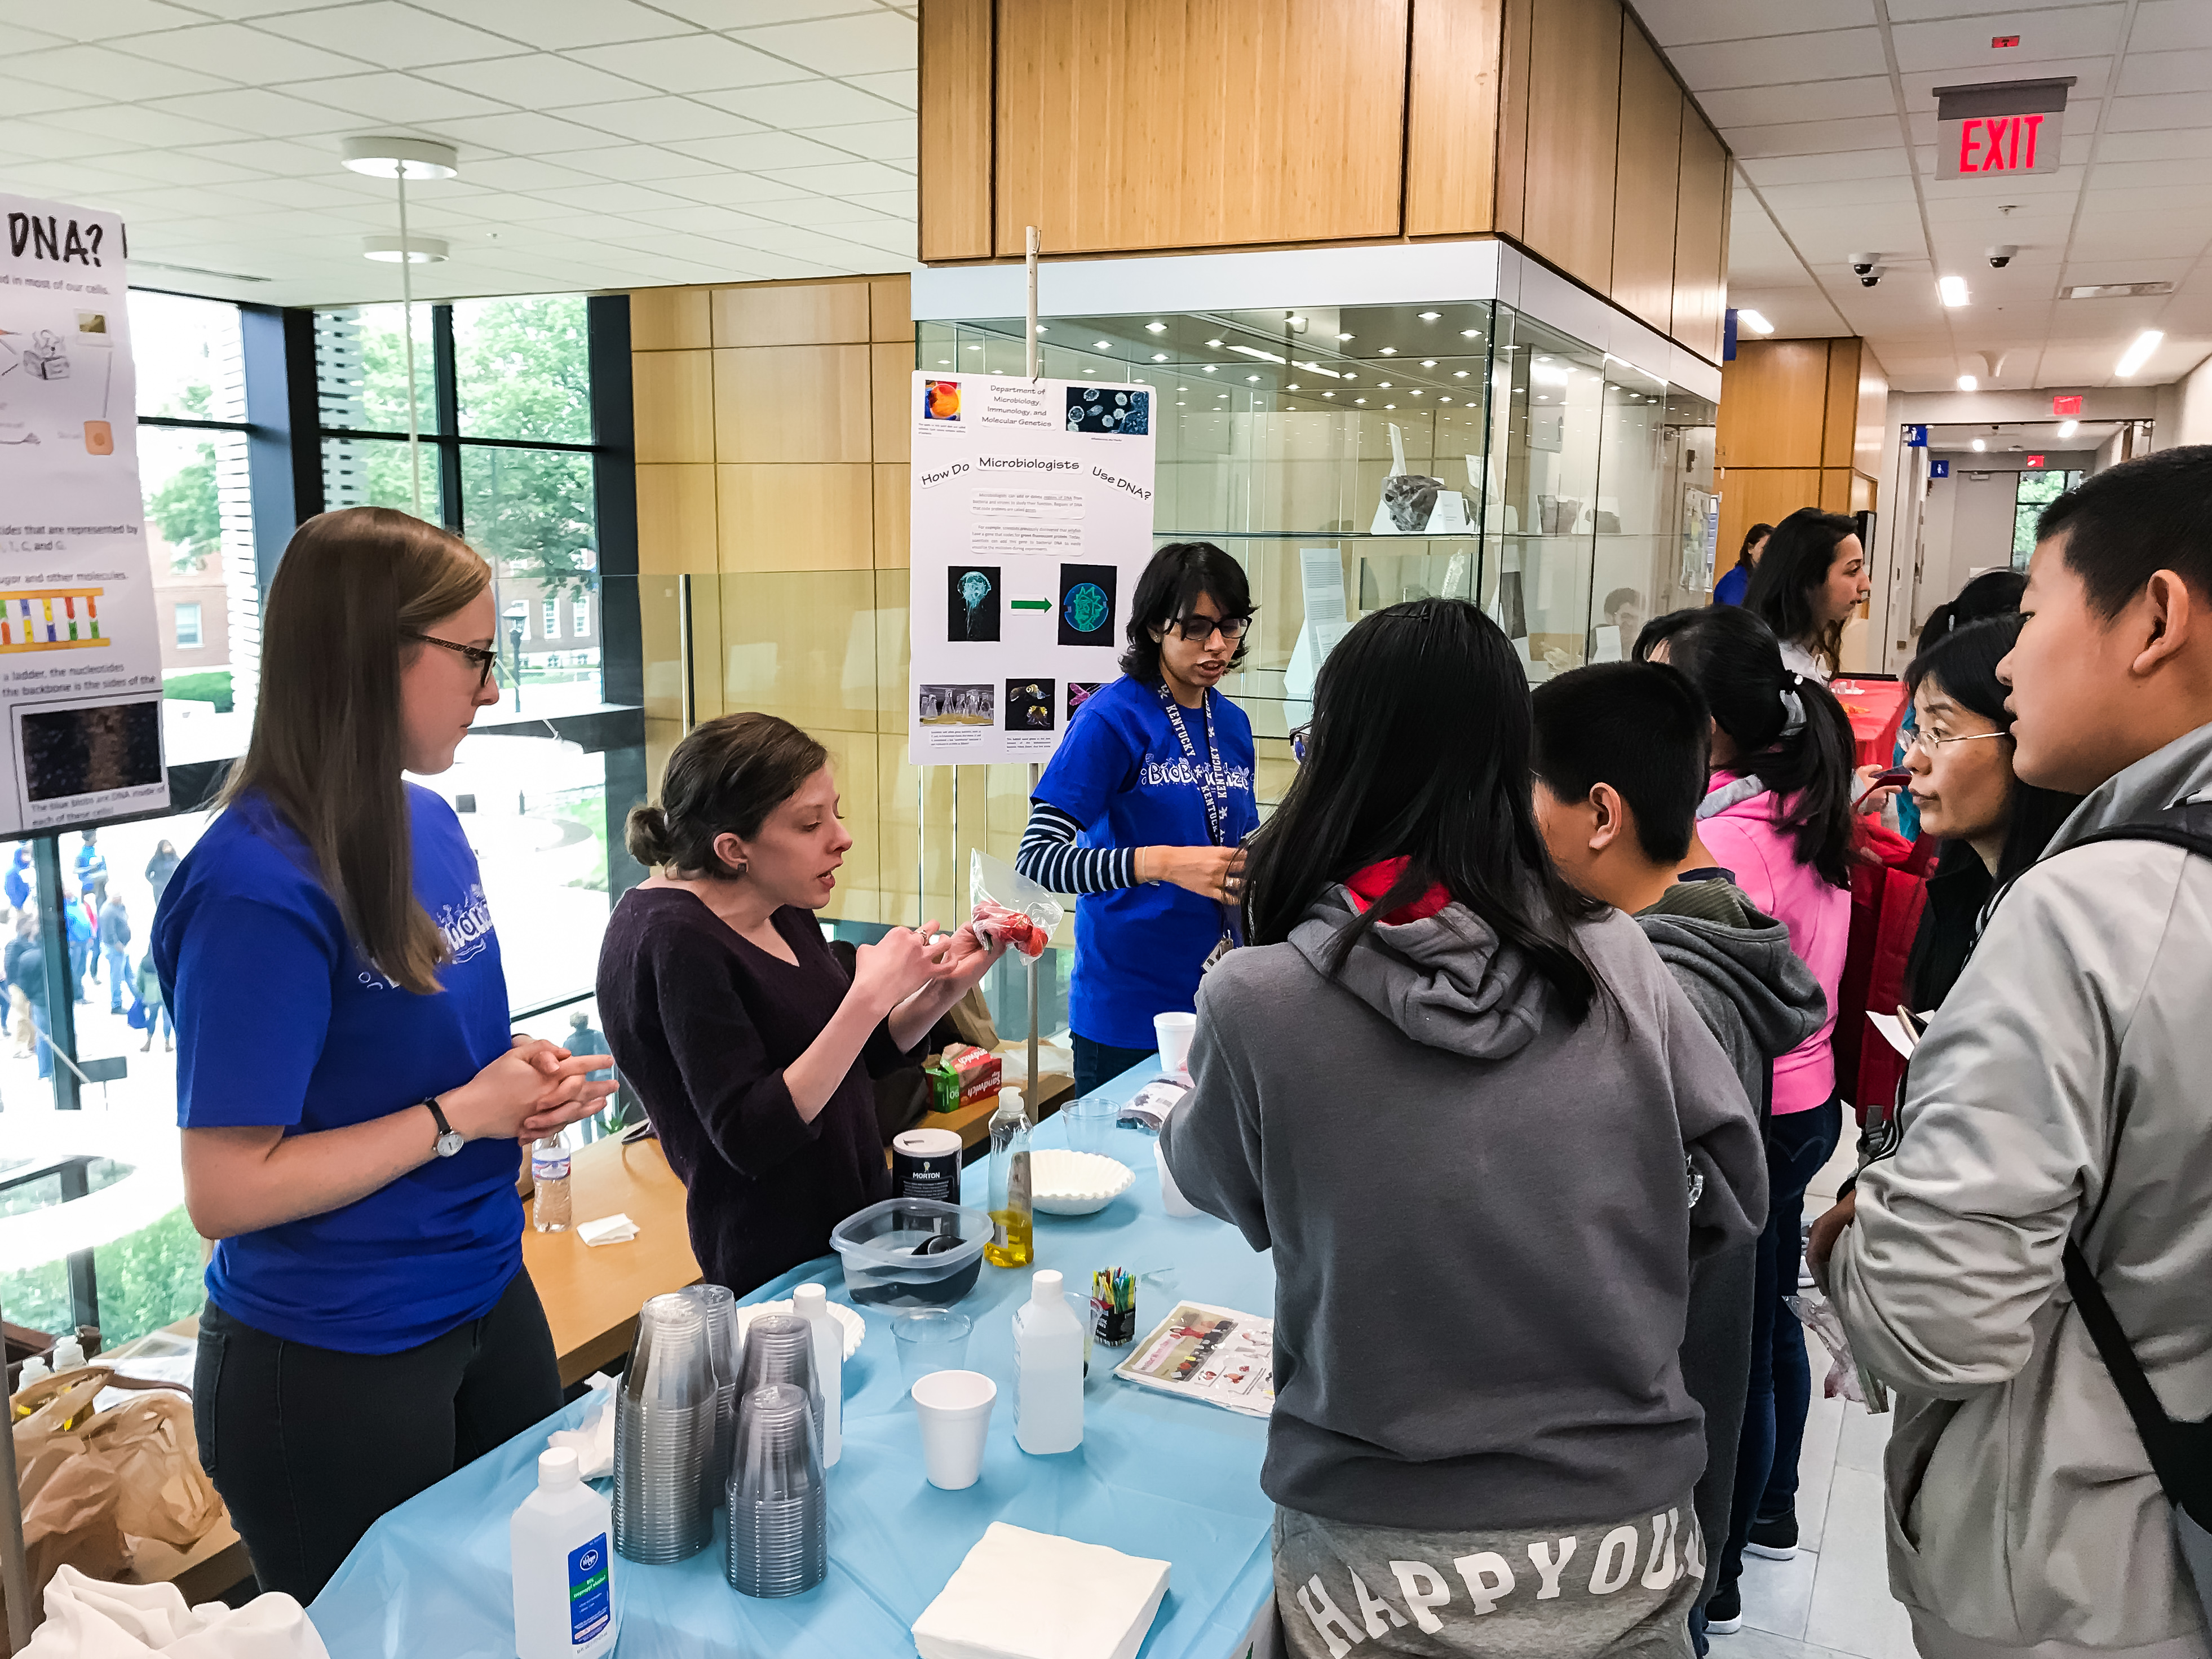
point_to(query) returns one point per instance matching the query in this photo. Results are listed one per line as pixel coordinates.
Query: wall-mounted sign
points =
(1939, 469)
(2067, 408)
(2002, 128)
(1916, 437)
(2035, 460)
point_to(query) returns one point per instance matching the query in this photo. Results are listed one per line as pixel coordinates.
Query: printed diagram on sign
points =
(1122, 414)
(971, 603)
(39, 373)
(52, 619)
(1029, 705)
(958, 705)
(1086, 603)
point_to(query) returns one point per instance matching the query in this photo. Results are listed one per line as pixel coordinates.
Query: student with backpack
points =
(1778, 813)
(2054, 1161)
(1618, 755)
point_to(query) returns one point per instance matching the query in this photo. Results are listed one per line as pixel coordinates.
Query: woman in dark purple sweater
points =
(750, 1047)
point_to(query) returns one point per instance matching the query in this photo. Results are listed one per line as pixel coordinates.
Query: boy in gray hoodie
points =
(1620, 752)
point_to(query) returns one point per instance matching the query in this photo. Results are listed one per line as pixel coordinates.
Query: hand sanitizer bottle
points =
(1013, 1223)
(811, 1304)
(1048, 1370)
(563, 1593)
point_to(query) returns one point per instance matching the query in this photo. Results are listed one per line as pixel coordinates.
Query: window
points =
(2036, 490)
(188, 625)
(552, 619)
(579, 613)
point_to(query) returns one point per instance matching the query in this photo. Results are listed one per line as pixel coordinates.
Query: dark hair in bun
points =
(726, 777)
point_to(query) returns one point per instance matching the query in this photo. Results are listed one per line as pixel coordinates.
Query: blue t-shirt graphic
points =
(281, 1021)
(1120, 772)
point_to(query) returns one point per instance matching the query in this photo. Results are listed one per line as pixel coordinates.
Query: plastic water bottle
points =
(548, 1173)
(563, 1560)
(1048, 1370)
(1012, 1242)
(811, 1304)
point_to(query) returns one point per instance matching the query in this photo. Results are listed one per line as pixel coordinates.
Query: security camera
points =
(2000, 257)
(1868, 274)
(1863, 263)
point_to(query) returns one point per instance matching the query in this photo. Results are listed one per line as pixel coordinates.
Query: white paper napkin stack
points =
(1024, 1594)
(616, 1229)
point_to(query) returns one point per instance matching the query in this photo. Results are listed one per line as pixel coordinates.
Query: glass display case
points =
(1355, 457)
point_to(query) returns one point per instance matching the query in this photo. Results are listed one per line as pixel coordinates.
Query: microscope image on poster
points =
(1117, 414)
(1029, 705)
(1086, 603)
(971, 604)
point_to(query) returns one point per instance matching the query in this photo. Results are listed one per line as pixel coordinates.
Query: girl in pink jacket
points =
(1778, 817)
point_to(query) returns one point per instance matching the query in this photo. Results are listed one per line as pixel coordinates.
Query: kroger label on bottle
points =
(589, 1606)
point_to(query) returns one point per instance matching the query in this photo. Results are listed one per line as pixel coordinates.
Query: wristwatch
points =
(449, 1139)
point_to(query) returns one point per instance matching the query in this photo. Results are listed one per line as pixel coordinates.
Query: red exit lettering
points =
(2066, 406)
(2004, 143)
(2004, 39)
(2035, 460)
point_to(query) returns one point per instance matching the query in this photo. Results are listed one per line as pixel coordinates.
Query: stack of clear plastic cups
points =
(665, 1434)
(779, 1509)
(725, 1341)
(779, 1348)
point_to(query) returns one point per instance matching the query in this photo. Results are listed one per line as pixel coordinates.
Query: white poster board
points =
(1032, 521)
(80, 659)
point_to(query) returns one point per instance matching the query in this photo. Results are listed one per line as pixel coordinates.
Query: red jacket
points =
(1887, 899)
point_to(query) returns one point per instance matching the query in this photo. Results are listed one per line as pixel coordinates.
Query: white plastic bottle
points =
(563, 1561)
(549, 1177)
(68, 1355)
(811, 1304)
(1048, 1370)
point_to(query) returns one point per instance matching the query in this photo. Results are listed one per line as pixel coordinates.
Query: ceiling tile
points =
(23, 39)
(762, 150)
(128, 126)
(40, 141)
(237, 53)
(506, 172)
(271, 114)
(733, 188)
(875, 141)
(1814, 101)
(107, 21)
(609, 198)
(643, 162)
(2175, 70)
(656, 120)
(522, 132)
(311, 158)
(389, 96)
(177, 166)
(1812, 138)
(2091, 78)
(1779, 61)
(701, 62)
(803, 104)
(1811, 169)
(108, 73)
(536, 80)
(836, 180)
(25, 100)
(2166, 25)
(901, 87)
(2172, 109)
(304, 193)
(752, 13)
(1963, 43)
(874, 43)
(2158, 144)
(557, 24)
(1892, 191)
(388, 34)
(824, 210)
(1677, 23)
(893, 201)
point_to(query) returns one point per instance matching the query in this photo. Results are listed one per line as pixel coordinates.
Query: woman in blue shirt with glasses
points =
(1141, 812)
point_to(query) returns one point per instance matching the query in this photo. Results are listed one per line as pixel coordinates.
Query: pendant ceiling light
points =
(400, 160)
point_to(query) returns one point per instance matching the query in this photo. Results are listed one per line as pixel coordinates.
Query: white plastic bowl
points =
(1076, 1183)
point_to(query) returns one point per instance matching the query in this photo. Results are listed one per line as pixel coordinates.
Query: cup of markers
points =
(1114, 1307)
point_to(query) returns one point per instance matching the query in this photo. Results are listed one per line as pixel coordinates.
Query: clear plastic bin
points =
(895, 1254)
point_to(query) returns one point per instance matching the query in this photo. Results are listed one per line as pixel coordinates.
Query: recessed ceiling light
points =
(391, 158)
(1344, 336)
(1159, 356)
(414, 250)
(1978, 445)
(1216, 344)
(974, 348)
(1389, 405)
(945, 363)
(1252, 377)
(1206, 368)
(1102, 345)
(1417, 391)
(2114, 290)
(1293, 386)
(1329, 394)
(1755, 322)
(1156, 328)
(1182, 388)
(1359, 400)
(1351, 377)
(1969, 383)
(1470, 334)
(1041, 329)
(1954, 290)
(1428, 362)
(2067, 429)
(1459, 374)
(1431, 316)
(1179, 402)
(2139, 352)
(1443, 400)
(1389, 351)
(1385, 384)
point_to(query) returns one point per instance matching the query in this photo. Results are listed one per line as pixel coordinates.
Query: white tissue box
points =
(1024, 1594)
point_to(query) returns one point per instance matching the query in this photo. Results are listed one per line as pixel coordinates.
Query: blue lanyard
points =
(1212, 788)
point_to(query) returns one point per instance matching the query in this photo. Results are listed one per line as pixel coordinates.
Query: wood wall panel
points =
(1836, 484)
(796, 516)
(891, 369)
(792, 313)
(1643, 195)
(1451, 128)
(801, 403)
(1773, 404)
(893, 508)
(1701, 237)
(1752, 495)
(1574, 113)
(674, 397)
(955, 130)
(1510, 211)
(676, 519)
(891, 307)
(1123, 124)
(1871, 421)
(669, 319)
(1840, 421)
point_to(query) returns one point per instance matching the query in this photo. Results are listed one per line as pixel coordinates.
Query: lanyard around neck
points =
(1212, 788)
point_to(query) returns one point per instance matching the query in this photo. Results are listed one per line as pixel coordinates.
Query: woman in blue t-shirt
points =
(351, 1100)
(1142, 808)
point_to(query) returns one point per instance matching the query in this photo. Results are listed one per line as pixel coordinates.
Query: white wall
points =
(1967, 528)
(2191, 423)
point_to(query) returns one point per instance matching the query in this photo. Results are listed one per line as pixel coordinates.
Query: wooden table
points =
(592, 1295)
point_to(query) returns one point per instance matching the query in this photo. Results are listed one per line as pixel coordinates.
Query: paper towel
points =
(1024, 1594)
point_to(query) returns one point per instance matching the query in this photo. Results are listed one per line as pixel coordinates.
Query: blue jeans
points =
(1780, 1389)
(1101, 1062)
(43, 1023)
(118, 969)
(80, 949)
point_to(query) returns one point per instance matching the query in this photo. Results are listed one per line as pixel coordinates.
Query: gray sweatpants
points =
(1619, 1590)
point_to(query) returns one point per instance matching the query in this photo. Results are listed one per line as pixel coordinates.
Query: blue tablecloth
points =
(1155, 1476)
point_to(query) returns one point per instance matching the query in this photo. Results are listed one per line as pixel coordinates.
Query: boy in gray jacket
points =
(2061, 1093)
(1620, 754)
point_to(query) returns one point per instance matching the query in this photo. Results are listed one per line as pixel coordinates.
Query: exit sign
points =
(2035, 460)
(2007, 128)
(2067, 408)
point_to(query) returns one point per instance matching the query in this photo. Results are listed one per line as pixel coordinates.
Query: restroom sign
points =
(2003, 129)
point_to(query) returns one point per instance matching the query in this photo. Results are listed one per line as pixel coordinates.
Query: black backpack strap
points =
(2188, 826)
(2180, 1452)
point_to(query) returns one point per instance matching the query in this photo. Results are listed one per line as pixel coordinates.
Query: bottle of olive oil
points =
(1012, 1242)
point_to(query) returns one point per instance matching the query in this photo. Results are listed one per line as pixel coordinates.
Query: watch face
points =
(449, 1143)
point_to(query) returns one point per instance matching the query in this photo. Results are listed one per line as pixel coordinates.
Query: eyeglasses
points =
(1928, 743)
(485, 660)
(1197, 631)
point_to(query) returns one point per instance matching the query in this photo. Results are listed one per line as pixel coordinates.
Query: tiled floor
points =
(1834, 1598)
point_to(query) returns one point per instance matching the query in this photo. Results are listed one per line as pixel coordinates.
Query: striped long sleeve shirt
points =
(1049, 857)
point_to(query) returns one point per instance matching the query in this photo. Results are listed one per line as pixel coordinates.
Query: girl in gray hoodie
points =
(1471, 1113)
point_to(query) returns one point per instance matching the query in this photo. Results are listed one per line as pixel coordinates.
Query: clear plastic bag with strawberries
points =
(1009, 906)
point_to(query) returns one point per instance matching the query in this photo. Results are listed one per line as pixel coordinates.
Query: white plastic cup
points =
(955, 1409)
(1174, 1033)
(1171, 1196)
